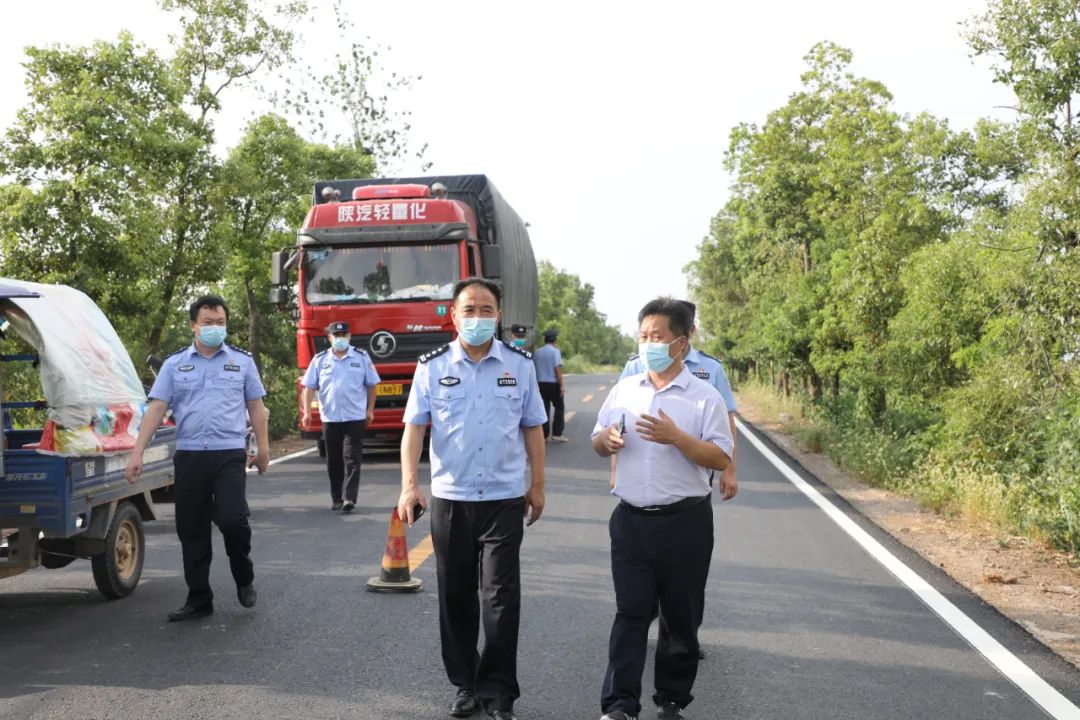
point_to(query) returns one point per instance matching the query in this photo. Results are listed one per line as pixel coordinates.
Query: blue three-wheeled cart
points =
(56, 507)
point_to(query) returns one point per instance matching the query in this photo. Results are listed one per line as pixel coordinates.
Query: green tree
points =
(263, 193)
(567, 304)
(89, 160)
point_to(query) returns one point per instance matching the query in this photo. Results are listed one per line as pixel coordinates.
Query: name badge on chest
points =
(507, 382)
(232, 368)
(702, 374)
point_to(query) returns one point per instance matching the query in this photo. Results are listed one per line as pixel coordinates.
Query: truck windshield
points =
(400, 273)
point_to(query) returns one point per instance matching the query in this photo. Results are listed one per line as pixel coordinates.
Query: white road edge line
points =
(1041, 692)
(290, 456)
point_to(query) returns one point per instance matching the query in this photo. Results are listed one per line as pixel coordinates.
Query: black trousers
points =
(210, 485)
(344, 453)
(656, 559)
(477, 547)
(552, 397)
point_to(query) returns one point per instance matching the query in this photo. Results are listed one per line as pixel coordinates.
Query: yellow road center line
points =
(570, 415)
(420, 553)
(587, 398)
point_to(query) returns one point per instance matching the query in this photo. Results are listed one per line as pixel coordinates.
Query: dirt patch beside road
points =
(1034, 586)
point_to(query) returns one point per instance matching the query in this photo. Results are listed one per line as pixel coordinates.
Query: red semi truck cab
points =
(383, 255)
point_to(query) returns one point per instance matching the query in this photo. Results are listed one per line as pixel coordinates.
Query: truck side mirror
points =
(491, 257)
(279, 275)
(279, 296)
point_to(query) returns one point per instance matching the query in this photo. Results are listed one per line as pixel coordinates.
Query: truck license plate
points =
(385, 389)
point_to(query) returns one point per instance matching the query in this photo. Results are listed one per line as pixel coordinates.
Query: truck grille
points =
(406, 346)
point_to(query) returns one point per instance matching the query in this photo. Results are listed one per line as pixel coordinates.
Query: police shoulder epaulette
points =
(433, 353)
(711, 357)
(520, 351)
(177, 352)
(239, 350)
(632, 358)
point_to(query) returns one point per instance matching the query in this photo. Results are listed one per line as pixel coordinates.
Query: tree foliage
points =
(921, 284)
(566, 304)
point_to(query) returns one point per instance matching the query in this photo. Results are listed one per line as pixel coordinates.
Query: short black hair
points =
(207, 301)
(692, 308)
(679, 317)
(483, 282)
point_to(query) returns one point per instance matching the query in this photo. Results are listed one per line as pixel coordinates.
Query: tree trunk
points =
(254, 327)
(815, 386)
(835, 385)
(785, 380)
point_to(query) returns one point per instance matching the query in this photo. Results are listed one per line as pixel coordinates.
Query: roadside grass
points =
(577, 365)
(1041, 509)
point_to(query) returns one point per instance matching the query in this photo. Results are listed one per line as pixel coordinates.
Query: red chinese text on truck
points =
(383, 255)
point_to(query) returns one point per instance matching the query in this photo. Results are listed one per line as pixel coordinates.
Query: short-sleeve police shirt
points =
(547, 358)
(477, 411)
(702, 366)
(342, 383)
(209, 396)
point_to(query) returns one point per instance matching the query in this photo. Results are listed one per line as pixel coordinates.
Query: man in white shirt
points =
(670, 430)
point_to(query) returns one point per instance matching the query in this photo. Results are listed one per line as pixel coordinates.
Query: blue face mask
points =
(656, 355)
(211, 335)
(519, 342)
(477, 331)
(341, 344)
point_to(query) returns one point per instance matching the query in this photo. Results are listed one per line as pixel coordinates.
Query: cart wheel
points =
(321, 444)
(117, 570)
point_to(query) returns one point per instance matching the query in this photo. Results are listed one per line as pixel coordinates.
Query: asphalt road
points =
(800, 622)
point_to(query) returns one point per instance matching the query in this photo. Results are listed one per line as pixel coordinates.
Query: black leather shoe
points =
(189, 612)
(669, 711)
(347, 506)
(700, 653)
(336, 506)
(502, 715)
(247, 595)
(465, 704)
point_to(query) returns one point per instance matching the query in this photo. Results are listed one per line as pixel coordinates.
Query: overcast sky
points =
(603, 124)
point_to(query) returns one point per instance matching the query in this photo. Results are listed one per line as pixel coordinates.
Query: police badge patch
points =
(449, 381)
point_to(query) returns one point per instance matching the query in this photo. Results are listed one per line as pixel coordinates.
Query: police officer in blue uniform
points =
(482, 400)
(211, 387)
(344, 376)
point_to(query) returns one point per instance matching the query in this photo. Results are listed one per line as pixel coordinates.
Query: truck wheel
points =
(321, 444)
(118, 569)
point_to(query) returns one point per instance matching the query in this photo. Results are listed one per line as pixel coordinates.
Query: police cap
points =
(519, 329)
(337, 328)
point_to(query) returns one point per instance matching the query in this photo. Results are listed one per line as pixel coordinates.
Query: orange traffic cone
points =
(395, 563)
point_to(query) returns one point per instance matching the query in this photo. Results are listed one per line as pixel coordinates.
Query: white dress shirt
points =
(649, 473)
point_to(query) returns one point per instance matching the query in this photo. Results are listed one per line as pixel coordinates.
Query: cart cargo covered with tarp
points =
(63, 494)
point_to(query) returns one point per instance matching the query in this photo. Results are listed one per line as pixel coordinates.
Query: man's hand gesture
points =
(661, 429)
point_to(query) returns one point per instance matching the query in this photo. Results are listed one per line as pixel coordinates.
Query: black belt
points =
(670, 509)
